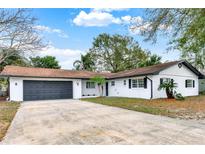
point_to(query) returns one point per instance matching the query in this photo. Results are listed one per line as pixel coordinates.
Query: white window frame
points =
(90, 85)
(166, 80)
(189, 85)
(137, 83)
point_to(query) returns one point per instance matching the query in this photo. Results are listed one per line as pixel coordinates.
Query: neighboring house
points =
(42, 84)
(202, 82)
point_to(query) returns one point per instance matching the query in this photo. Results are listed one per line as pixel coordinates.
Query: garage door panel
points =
(45, 90)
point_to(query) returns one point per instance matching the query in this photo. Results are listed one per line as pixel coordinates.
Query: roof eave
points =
(194, 70)
(135, 75)
(21, 76)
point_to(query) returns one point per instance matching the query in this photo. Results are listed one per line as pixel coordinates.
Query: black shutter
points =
(130, 83)
(172, 81)
(161, 81)
(186, 83)
(193, 83)
(145, 82)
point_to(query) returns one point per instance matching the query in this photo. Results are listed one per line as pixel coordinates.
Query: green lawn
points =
(190, 108)
(7, 113)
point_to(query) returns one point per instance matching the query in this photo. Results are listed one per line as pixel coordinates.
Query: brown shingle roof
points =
(60, 73)
(144, 70)
(45, 72)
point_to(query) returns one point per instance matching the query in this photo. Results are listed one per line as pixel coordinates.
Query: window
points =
(138, 83)
(112, 83)
(141, 83)
(163, 80)
(90, 85)
(189, 83)
(134, 83)
(124, 82)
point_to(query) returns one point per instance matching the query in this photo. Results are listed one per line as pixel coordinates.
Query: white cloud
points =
(95, 18)
(66, 57)
(100, 17)
(47, 29)
(109, 9)
(138, 25)
(137, 29)
(126, 19)
(137, 19)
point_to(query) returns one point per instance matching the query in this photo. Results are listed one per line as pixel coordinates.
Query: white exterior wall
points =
(121, 90)
(179, 75)
(16, 87)
(89, 91)
(16, 91)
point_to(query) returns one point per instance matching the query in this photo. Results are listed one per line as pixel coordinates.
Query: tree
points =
(168, 86)
(116, 53)
(4, 86)
(184, 27)
(151, 60)
(45, 62)
(17, 33)
(16, 60)
(100, 81)
(86, 63)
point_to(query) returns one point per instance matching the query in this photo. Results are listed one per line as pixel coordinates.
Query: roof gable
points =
(150, 70)
(193, 69)
(178, 70)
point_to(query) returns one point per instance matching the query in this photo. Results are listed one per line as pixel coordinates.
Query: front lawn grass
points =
(190, 108)
(7, 113)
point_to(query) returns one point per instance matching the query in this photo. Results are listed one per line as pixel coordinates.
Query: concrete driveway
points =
(78, 122)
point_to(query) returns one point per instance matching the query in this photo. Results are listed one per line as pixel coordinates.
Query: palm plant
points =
(100, 81)
(77, 65)
(86, 63)
(168, 86)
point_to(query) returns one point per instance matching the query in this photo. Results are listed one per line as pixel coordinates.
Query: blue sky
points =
(70, 32)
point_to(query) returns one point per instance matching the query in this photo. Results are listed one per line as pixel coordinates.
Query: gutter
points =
(130, 76)
(83, 78)
(21, 76)
(151, 86)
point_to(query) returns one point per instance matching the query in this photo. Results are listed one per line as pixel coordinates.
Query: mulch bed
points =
(3, 98)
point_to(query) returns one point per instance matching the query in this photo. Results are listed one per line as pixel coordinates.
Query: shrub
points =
(168, 87)
(202, 93)
(178, 96)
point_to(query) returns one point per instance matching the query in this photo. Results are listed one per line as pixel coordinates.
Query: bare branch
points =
(17, 33)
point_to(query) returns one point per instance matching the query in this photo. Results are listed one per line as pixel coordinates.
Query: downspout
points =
(8, 79)
(151, 86)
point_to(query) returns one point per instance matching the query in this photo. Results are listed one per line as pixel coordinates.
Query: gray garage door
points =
(47, 90)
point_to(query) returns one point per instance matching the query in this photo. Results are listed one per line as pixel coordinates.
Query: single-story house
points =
(27, 83)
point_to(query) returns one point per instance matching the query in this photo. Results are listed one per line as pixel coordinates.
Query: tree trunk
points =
(99, 90)
(169, 94)
(100, 87)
